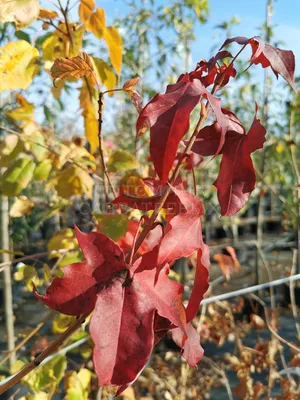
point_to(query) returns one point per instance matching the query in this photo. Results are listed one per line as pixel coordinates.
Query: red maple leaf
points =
(168, 116)
(236, 179)
(125, 300)
(282, 62)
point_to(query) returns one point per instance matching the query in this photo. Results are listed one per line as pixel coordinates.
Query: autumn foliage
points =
(133, 301)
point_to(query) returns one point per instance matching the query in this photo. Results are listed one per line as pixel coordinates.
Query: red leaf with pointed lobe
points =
(183, 231)
(201, 283)
(76, 292)
(227, 263)
(122, 325)
(282, 62)
(208, 139)
(168, 116)
(192, 350)
(236, 179)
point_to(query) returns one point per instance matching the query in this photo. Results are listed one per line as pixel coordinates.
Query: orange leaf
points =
(86, 8)
(75, 67)
(129, 86)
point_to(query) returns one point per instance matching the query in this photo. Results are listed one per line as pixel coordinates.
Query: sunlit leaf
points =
(24, 112)
(91, 127)
(97, 23)
(59, 45)
(22, 206)
(21, 12)
(73, 181)
(45, 13)
(104, 73)
(121, 160)
(75, 67)
(114, 43)
(17, 176)
(18, 65)
(43, 170)
(10, 147)
(86, 8)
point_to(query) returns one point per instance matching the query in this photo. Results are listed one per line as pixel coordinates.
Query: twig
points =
(279, 196)
(271, 329)
(292, 292)
(100, 139)
(47, 352)
(65, 15)
(29, 336)
(269, 272)
(222, 373)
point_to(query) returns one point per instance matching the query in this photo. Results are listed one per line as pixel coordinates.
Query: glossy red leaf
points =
(236, 179)
(76, 292)
(183, 231)
(168, 116)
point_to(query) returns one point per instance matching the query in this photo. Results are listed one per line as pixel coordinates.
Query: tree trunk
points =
(8, 299)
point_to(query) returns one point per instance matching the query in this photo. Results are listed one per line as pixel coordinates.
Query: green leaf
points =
(121, 160)
(115, 226)
(43, 170)
(17, 177)
(22, 36)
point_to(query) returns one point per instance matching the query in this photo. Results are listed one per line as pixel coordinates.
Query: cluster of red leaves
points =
(134, 304)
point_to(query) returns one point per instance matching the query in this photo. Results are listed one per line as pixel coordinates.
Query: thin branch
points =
(279, 196)
(100, 139)
(271, 329)
(48, 351)
(65, 15)
(29, 336)
(292, 293)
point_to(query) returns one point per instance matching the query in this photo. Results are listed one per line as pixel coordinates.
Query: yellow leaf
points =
(91, 127)
(24, 112)
(132, 184)
(21, 12)
(75, 67)
(61, 322)
(121, 160)
(18, 65)
(45, 13)
(58, 44)
(64, 239)
(73, 181)
(10, 148)
(114, 43)
(104, 73)
(22, 206)
(86, 8)
(36, 143)
(97, 23)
